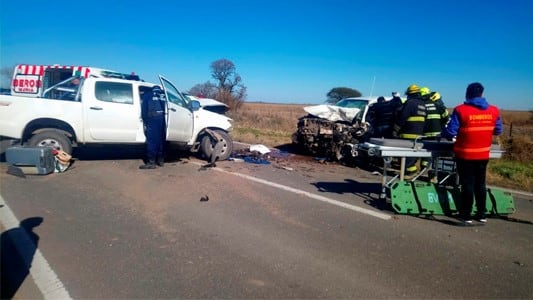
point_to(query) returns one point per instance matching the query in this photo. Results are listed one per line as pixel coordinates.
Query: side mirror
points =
(195, 105)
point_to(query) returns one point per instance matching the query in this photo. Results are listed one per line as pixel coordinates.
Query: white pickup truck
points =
(101, 110)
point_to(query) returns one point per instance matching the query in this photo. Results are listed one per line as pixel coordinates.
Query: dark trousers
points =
(472, 174)
(426, 161)
(384, 131)
(155, 132)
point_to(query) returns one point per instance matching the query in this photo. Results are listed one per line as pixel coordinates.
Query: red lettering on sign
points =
(26, 83)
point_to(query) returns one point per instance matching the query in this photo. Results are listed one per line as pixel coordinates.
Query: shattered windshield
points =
(352, 103)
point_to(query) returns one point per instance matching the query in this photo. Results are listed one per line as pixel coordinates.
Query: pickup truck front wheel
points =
(51, 138)
(208, 145)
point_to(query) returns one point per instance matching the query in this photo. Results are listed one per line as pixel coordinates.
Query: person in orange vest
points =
(473, 124)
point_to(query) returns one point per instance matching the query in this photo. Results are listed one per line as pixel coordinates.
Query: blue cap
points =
(157, 89)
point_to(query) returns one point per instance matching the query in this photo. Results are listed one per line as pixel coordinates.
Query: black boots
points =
(160, 161)
(148, 165)
(153, 163)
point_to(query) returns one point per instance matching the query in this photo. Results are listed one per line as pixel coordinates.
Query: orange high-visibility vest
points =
(475, 131)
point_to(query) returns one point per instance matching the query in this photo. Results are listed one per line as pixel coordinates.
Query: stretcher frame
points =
(441, 162)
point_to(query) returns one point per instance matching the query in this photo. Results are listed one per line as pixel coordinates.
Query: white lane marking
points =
(310, 195)
(44, 277)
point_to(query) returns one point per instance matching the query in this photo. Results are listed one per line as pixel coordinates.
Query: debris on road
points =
(259, 148)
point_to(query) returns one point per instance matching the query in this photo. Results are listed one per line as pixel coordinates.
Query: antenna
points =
(372, 88)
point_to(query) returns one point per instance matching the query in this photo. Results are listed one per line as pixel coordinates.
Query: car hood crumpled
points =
(332, 113)
(210, 102)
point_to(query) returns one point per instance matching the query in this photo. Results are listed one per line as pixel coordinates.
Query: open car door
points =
(180, 121)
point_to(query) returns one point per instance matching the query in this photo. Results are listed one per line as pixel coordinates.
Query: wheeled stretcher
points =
(434, 189)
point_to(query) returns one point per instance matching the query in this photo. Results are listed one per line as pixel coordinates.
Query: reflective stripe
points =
(473, 150)
(409, 136)
(483, 128)
(416, 119)
(433, 117)
(411, 169)
(431, 133)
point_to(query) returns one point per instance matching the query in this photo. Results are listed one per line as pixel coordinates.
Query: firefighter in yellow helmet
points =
(424, 93)
(436, 118)
(410, 122)
(437, 115)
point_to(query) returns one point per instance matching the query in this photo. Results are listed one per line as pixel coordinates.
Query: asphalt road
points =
(292, 229)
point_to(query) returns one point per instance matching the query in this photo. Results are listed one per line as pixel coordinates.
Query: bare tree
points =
(230, 88)
(207, 90)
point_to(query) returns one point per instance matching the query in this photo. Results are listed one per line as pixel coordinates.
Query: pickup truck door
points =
(180, 120)
(111, 112)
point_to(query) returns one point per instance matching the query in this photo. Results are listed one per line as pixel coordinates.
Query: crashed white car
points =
(333, 131)
(344, 110)
(210, 104)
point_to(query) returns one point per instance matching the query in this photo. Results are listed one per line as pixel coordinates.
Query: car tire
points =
(207, 145)
(51, 138)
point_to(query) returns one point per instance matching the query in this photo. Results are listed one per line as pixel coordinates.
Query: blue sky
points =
(288, 51)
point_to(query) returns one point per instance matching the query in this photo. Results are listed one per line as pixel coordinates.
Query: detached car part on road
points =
(334, 131)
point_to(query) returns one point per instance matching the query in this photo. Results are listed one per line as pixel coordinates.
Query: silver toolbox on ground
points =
(31, 160)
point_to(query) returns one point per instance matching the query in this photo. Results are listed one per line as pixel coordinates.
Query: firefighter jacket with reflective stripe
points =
(476, 128)
(410, 121)
(436, 117)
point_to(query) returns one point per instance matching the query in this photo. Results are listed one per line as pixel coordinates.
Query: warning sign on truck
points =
(28, 84)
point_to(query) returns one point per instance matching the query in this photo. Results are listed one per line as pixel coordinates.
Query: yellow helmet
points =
(412, 89)
(434, 96)
(424, 91)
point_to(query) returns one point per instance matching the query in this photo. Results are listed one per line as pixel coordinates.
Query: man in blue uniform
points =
(381, 116)
(153, 108)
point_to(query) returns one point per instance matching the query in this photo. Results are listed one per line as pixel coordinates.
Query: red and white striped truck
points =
(31, 80)
(64, 107)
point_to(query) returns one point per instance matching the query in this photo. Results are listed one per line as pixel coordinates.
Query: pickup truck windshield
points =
(111, 74)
